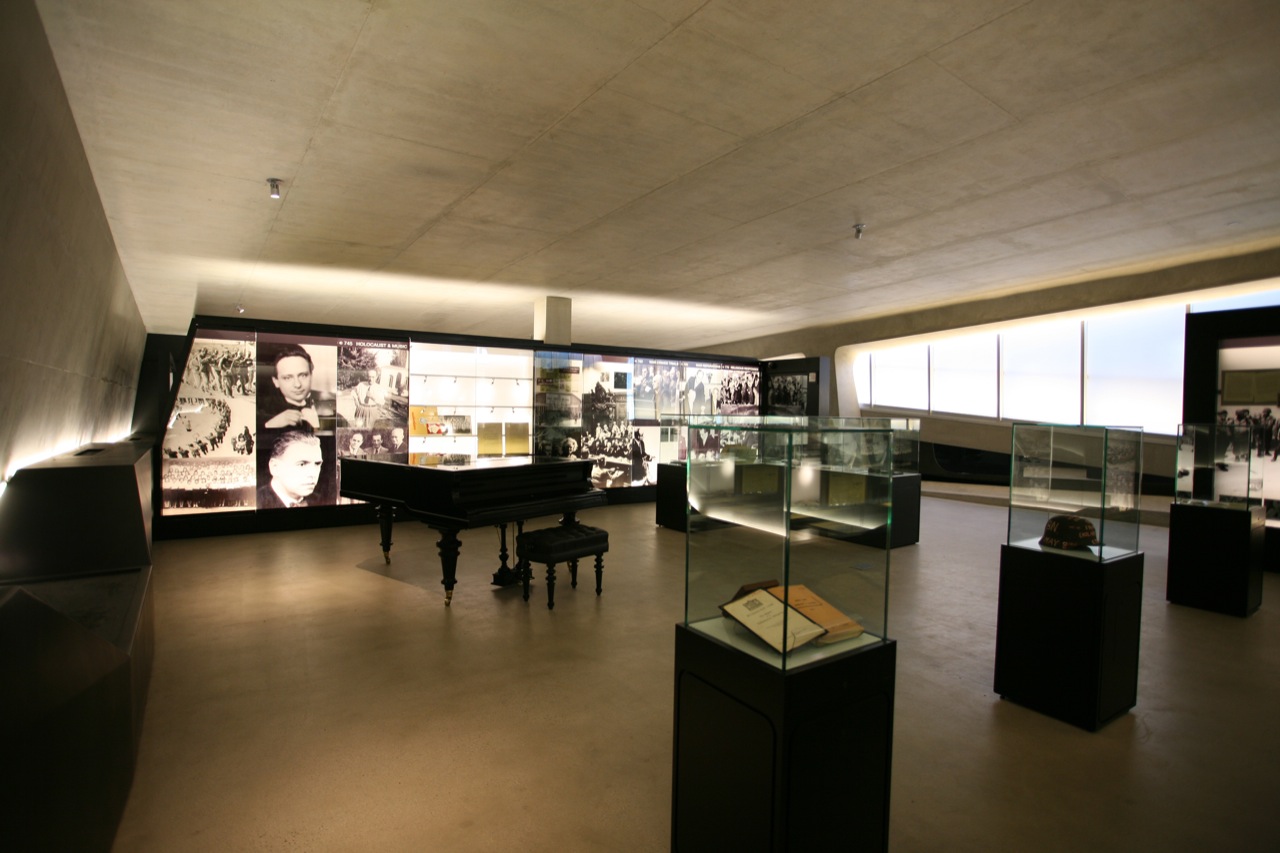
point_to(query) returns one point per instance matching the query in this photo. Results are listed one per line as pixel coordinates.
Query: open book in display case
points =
(784, 669)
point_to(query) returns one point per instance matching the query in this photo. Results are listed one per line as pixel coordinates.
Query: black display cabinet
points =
(770, 760)
(1217, 524)
(77, 634)
(1067, 634)
(1216, 557)
(672, 496)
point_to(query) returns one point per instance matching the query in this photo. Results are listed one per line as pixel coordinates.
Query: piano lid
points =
(489, 491)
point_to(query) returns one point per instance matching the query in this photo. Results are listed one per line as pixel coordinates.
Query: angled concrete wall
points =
(71, 337)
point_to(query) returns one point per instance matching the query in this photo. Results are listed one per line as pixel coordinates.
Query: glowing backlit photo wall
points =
(262, 419)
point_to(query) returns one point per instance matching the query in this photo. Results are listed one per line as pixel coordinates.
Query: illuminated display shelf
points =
(469, 402)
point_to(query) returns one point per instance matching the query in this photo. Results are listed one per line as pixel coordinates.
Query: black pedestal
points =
(1067, 634)
(905, 530)
(1216, 557)
(672, 495)
(73, 677)
(774, 761)
(906, 510)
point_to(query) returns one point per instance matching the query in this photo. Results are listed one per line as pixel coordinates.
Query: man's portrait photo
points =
(295, 471)
(296, 385)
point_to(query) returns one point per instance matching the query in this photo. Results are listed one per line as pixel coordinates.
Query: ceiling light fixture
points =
(274, 183)
(239, 307)
(858, 229)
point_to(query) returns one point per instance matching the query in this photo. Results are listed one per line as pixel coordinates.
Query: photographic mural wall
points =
(261, 419)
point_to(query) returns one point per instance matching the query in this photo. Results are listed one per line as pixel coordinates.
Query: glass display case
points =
(787, 556)
(671, 438)
(905, 438)
(1217, 524)
(1075, 490)
(1216, 466)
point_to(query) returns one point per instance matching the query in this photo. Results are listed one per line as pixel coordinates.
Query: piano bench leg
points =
(573, 573)
(599, 571)
(526, 574)
(551, 586)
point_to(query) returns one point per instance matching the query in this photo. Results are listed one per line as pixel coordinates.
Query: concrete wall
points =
(71, 337)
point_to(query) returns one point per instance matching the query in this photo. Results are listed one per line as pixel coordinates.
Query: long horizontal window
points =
(1117, 369)
(963, 379)
(1040, 377)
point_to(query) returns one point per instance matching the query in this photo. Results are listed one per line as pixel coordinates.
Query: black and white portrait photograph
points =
(297, 382)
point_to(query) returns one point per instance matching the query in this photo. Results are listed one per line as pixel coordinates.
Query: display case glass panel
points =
(780, 563)
(672, 434)
(1216, 466)
(1075, 490)
(469, 402)
(905, 443)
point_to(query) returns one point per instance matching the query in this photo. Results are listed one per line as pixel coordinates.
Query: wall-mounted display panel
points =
(261, 419)
(612, 408)
(263, 416)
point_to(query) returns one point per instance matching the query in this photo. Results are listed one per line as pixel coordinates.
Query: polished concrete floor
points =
(306, 696)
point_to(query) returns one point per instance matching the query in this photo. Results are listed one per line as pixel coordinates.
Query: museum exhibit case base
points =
(672, 495)
(905, 529)
(1271, 554)
(1067, 632)
(1216, 557)
(774, 760)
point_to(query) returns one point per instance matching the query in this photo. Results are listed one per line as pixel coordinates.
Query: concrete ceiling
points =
(688, 172)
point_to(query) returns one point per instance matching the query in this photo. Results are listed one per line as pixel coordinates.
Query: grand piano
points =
(450, 498)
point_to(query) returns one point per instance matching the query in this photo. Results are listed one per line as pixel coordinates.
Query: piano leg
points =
(449, 547)
(385, 516)
(504, 576)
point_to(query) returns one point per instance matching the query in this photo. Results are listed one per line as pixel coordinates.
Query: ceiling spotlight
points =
(858, 229)
(239, 307)
(274, 183)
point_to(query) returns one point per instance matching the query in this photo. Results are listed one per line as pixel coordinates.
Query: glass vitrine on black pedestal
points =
(784, 671)
(1217, 524)
(905, 447)
(1070, 607)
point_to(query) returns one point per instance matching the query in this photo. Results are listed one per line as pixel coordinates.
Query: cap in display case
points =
(1075, 490)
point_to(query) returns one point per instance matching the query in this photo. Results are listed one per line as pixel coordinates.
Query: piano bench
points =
(565, 543)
